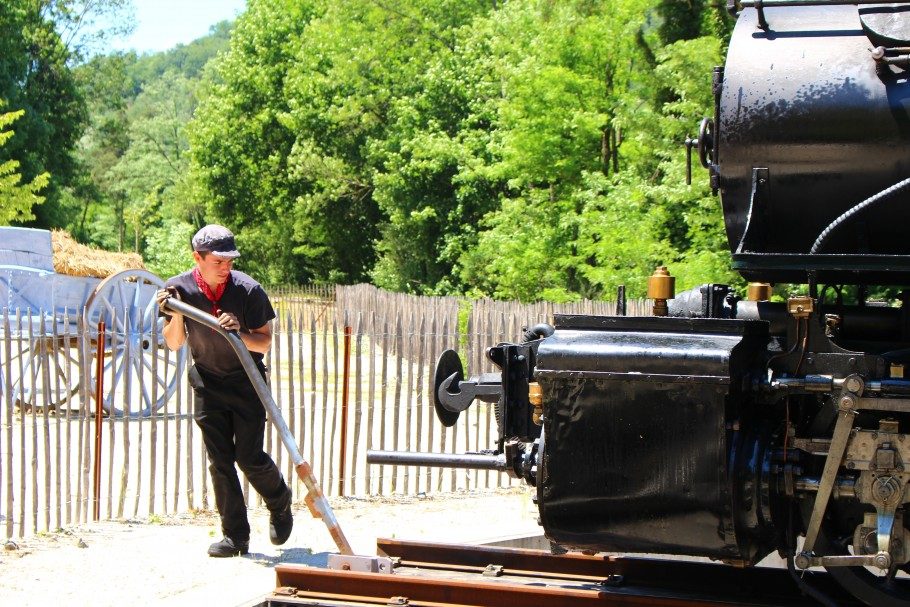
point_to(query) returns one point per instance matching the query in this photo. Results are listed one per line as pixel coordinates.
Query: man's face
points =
(214, 269)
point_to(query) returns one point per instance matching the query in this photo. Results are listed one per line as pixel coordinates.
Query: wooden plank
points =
(274, 364)
(68, 435)
(382, 401)
(408, 402)
(190, 448)
(330, 453)
(178, 443)
(356, 478)
(292, 413)
(126, 406)
(8, 424)
(153, 419)
(303, 436)
(325, 405)
(162, 415)
(140, 426)
(419, 401)
(313, 377)
(371, 395)
(396, 402)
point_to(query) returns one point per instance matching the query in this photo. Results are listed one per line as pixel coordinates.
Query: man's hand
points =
(162, 295)
(228, 321)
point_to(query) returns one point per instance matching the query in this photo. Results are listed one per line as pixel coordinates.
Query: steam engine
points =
(732, 427)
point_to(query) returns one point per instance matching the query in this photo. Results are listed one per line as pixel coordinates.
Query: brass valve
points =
(661, 287)
(758, 291)
(535, 397)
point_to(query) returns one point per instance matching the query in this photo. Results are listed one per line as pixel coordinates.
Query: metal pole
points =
(99, 400)
(471, 461)
(315, 499)
(344, 408)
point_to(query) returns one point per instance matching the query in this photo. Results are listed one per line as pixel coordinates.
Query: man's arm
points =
(258, 340)
(174, 332)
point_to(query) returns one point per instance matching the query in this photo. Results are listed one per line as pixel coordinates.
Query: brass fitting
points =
(535, 397)
(758, 291)
(661, 287)
(800, 307)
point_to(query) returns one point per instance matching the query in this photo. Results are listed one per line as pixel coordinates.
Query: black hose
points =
(539, 330)
(886, 193)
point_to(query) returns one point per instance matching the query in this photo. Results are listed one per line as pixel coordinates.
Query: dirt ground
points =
(163, 561)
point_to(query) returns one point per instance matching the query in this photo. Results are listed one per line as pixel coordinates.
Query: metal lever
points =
(690, 143)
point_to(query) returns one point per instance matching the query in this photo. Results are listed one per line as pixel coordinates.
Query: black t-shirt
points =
(245, 298)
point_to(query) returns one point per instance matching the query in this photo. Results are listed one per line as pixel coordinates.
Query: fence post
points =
(344, 408)
(99, 399)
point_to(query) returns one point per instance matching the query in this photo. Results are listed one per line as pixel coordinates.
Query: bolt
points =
(801, 561)
(854, 384)
(882, 560)
(851, 465)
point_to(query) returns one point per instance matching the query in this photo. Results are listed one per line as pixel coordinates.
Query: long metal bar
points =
(315, 500)
(838, 447)
(439, 460)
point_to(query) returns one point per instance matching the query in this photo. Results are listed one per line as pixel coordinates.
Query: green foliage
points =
(168, 251)
(35, 77)
(525, 149)
(134, 151)
(16, 198)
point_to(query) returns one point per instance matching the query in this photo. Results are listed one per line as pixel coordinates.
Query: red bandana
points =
(213, 297)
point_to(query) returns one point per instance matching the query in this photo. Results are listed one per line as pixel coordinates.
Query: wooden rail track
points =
(446, 575)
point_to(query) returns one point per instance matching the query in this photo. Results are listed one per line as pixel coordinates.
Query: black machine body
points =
(730, 426)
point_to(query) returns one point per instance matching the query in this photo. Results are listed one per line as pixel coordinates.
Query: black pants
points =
(232, 420)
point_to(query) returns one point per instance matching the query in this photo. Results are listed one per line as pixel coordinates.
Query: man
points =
(226, 407)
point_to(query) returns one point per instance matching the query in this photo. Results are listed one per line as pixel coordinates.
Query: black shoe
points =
(228, 547)
(280, 525)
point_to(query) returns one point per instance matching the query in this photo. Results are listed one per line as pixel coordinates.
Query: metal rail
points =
(439, 575)
(315, 499)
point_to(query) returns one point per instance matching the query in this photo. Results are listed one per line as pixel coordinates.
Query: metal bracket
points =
(362, 564)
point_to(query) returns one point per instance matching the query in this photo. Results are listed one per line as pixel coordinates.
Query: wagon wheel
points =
(140, 373)
(46, 373)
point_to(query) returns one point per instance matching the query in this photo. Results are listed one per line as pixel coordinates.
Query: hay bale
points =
(76, 259)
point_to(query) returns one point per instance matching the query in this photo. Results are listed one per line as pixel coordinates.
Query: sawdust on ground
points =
(163, 561)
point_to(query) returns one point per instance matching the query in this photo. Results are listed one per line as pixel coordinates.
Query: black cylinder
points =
(809, 125)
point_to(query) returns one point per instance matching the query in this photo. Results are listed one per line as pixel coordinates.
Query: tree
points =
(240, 137)
(16, 198)
(35, 77)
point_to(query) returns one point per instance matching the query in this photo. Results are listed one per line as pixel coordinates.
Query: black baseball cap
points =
(217, 240)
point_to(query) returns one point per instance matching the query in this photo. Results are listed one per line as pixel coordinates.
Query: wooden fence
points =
(156, 464)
